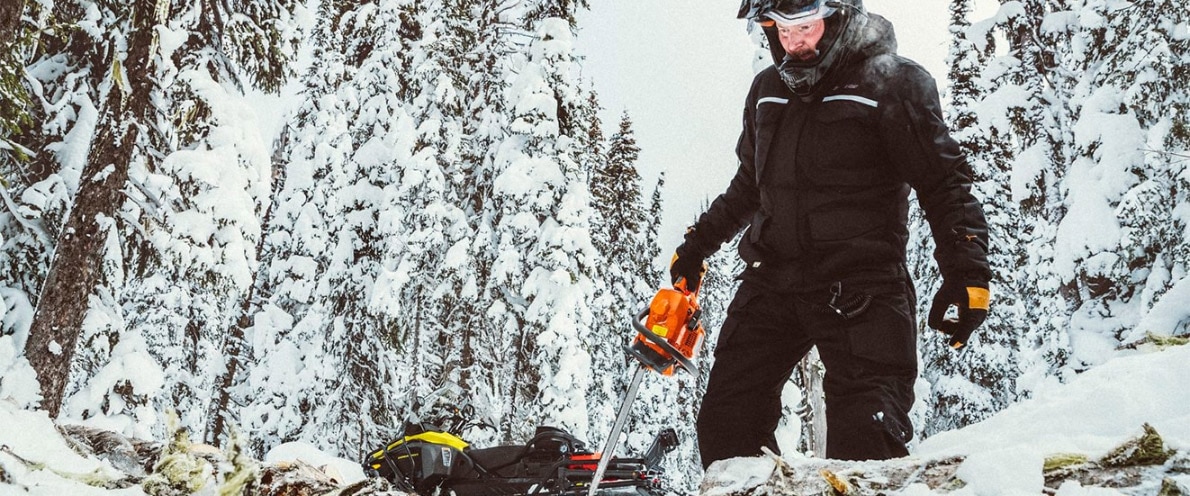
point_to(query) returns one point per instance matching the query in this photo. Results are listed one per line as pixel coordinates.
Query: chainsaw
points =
(668, 339)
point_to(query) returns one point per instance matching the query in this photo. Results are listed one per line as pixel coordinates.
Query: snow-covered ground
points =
(1091, 415)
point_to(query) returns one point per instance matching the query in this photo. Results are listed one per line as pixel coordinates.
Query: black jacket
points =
(823, 181)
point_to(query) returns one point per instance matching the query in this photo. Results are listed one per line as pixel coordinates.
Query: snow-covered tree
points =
(967, 387)
(620, 233)
(543, 271)
(1121, 243)
(15, 42)
(87, 266)
(1075, 133)
(321, 348)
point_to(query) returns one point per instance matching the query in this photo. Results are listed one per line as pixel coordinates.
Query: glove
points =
(688, 268)
(958, 309)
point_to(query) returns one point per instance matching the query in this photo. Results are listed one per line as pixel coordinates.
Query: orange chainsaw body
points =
(672, 332)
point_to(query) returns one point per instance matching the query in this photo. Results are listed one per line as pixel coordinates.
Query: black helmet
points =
(845, 20)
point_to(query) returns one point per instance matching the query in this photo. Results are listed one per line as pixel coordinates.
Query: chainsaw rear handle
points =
(661, 342)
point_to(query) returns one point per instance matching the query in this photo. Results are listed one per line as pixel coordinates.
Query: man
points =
(835, 134)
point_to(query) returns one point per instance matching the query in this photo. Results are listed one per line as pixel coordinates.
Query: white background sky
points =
(681, 69)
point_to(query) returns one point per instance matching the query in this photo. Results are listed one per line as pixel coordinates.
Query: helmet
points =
(845, 20)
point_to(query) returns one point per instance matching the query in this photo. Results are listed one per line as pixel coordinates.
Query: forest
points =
(442, 222)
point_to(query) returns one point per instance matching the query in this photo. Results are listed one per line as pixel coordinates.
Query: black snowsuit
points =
(823, 188)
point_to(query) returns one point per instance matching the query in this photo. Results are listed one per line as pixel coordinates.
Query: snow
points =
(1009, 471)
(1091, 415)
(130, 363)
(18, 380)
(32, 436)
(738, 475)
(351, 471)
(1169, 315)
(543, 252)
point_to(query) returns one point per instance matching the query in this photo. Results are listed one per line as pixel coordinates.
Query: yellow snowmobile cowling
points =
(429, 456)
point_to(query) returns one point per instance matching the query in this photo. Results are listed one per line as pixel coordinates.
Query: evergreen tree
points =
(46, 143)
(85, 268)
(543, 270)
(626, 235)
(433, 233)
(1121, 242)
(323, 345)
(1039, 126)
(487, 66)
(15, 41)
(615, 189)
(202, 205)
(970, 386)
(1091, 243)
(593, 141)
(649, 269)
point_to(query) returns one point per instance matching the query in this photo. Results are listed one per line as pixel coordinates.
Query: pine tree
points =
(82, 266)
(982, 380)
(46, 144)
(648, 269)
(323, 348)
(615, 189)
(15, 41)
(1117, 249)
(436, 234)
(1039, 129)
(543, 272)
(626, 235)
(489, 63)
(197, 258)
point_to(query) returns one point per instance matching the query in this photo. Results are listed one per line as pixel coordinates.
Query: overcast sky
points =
(681, 69)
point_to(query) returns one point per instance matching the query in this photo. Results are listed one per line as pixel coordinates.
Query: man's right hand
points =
(689, 268)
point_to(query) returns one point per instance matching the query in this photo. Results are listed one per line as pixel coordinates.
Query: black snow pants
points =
(870, 359)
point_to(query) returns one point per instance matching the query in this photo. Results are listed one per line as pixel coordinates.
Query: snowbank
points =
(1091, 416)
(346, 471)
(39, 458)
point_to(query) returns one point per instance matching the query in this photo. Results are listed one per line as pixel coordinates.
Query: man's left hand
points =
(958, 309)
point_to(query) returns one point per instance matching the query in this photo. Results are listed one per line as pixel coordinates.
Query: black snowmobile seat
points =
(548, 447)
(498, 460)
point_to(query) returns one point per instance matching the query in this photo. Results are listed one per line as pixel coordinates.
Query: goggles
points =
(796, 17)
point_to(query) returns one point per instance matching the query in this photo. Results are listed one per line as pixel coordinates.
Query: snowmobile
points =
(429, 460)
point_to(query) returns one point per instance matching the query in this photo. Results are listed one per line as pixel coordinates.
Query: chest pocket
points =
(843, 143)
(769, 111)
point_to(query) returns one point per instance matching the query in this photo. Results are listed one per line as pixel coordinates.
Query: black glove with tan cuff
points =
(958, 309)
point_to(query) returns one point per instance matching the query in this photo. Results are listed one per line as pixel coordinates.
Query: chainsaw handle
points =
(680, 285)
(661, 342)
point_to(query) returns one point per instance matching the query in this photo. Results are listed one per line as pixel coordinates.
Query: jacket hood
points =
(878, 38)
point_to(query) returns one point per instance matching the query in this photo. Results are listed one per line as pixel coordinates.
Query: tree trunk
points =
(814, 431)
(76, 269)
(10, 21)
(233, 345)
